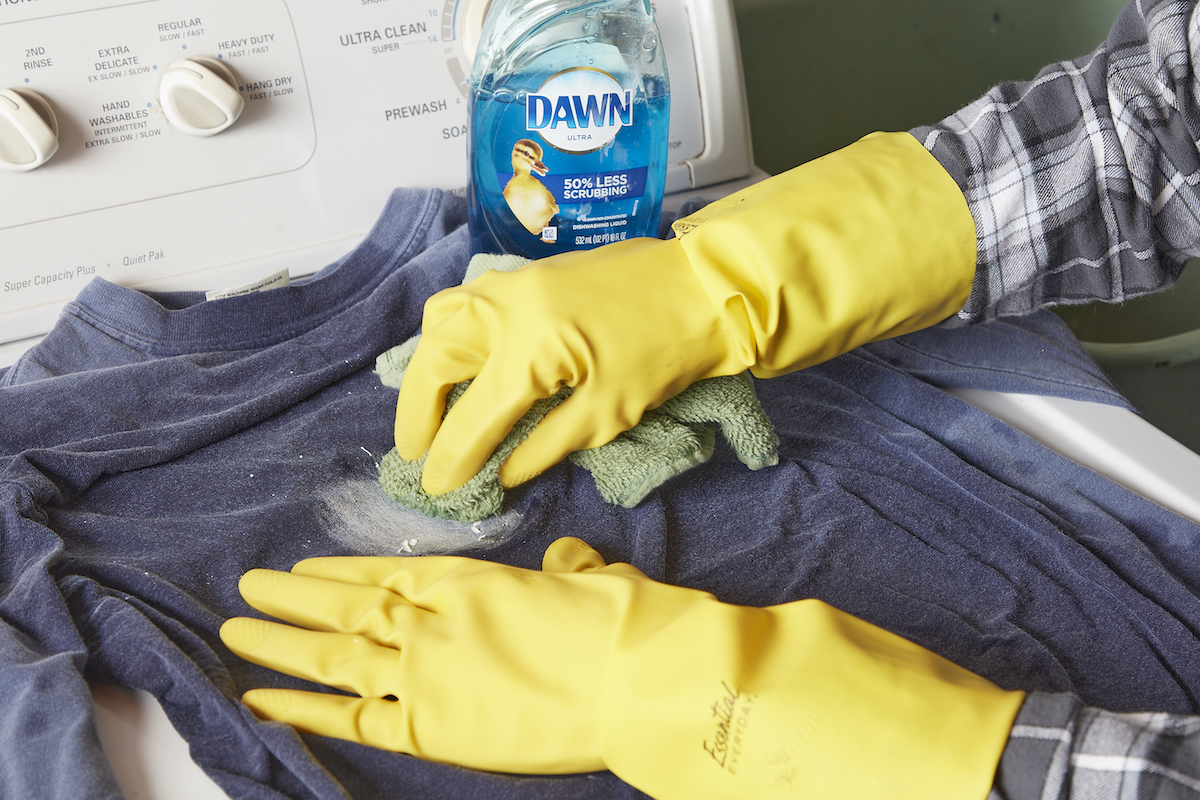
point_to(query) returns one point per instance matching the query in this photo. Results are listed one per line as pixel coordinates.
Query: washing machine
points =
(235, 145)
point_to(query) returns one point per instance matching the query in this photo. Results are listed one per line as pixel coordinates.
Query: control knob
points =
(28, 130)
(199, 96)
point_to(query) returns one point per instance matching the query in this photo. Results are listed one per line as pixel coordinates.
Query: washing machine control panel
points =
(133, 85)
(168, 143)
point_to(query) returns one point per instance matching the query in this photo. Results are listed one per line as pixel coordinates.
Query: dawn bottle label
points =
(565, 164)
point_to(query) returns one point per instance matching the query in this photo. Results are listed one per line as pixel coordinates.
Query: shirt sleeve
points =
(1084, 181)
(1061, 749)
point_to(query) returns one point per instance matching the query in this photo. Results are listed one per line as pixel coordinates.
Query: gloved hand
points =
(873, 241)
(584, 666)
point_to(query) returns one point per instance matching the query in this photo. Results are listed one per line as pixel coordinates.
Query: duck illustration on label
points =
(531, 202)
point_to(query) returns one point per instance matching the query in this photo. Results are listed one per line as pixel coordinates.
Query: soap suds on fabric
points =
(360, 516)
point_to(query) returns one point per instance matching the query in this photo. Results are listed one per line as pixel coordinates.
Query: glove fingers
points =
(473, 428)
(369, 570)
(375, 722)
(349, 662)
(442, 305)
(409, 578)
(575, 425)
(415, 591)
(417, 420)
(434, 370)
(455, 342)
(324, 605)
(569, 554)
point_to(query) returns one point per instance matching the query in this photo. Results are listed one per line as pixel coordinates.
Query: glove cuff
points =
(797, 700)
(872, 241)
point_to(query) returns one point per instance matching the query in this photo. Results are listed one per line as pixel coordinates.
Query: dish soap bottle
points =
(569, 107)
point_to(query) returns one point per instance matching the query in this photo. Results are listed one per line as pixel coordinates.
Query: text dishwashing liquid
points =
(569, 106)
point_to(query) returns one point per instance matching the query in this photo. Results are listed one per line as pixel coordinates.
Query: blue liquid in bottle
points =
(569, 108)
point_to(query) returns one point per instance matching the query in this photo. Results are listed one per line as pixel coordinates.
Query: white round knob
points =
(28, 130)
(199, 96)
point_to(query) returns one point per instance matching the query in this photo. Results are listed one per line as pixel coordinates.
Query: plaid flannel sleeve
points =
(1062, 750)
(1084, 181)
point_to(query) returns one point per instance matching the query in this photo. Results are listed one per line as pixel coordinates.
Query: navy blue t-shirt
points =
(155, 447)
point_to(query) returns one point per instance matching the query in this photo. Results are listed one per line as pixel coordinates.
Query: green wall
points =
(821, 74)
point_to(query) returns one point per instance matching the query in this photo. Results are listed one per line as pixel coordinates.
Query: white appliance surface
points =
(148, 757)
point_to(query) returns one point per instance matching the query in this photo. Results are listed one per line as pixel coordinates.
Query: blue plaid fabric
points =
(1060, 749)
(1083, 181)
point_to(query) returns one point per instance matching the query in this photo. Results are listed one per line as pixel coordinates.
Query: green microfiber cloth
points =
(668, 440)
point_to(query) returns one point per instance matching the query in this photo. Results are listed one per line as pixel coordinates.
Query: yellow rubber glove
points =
(873, 241)
(584, 666)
